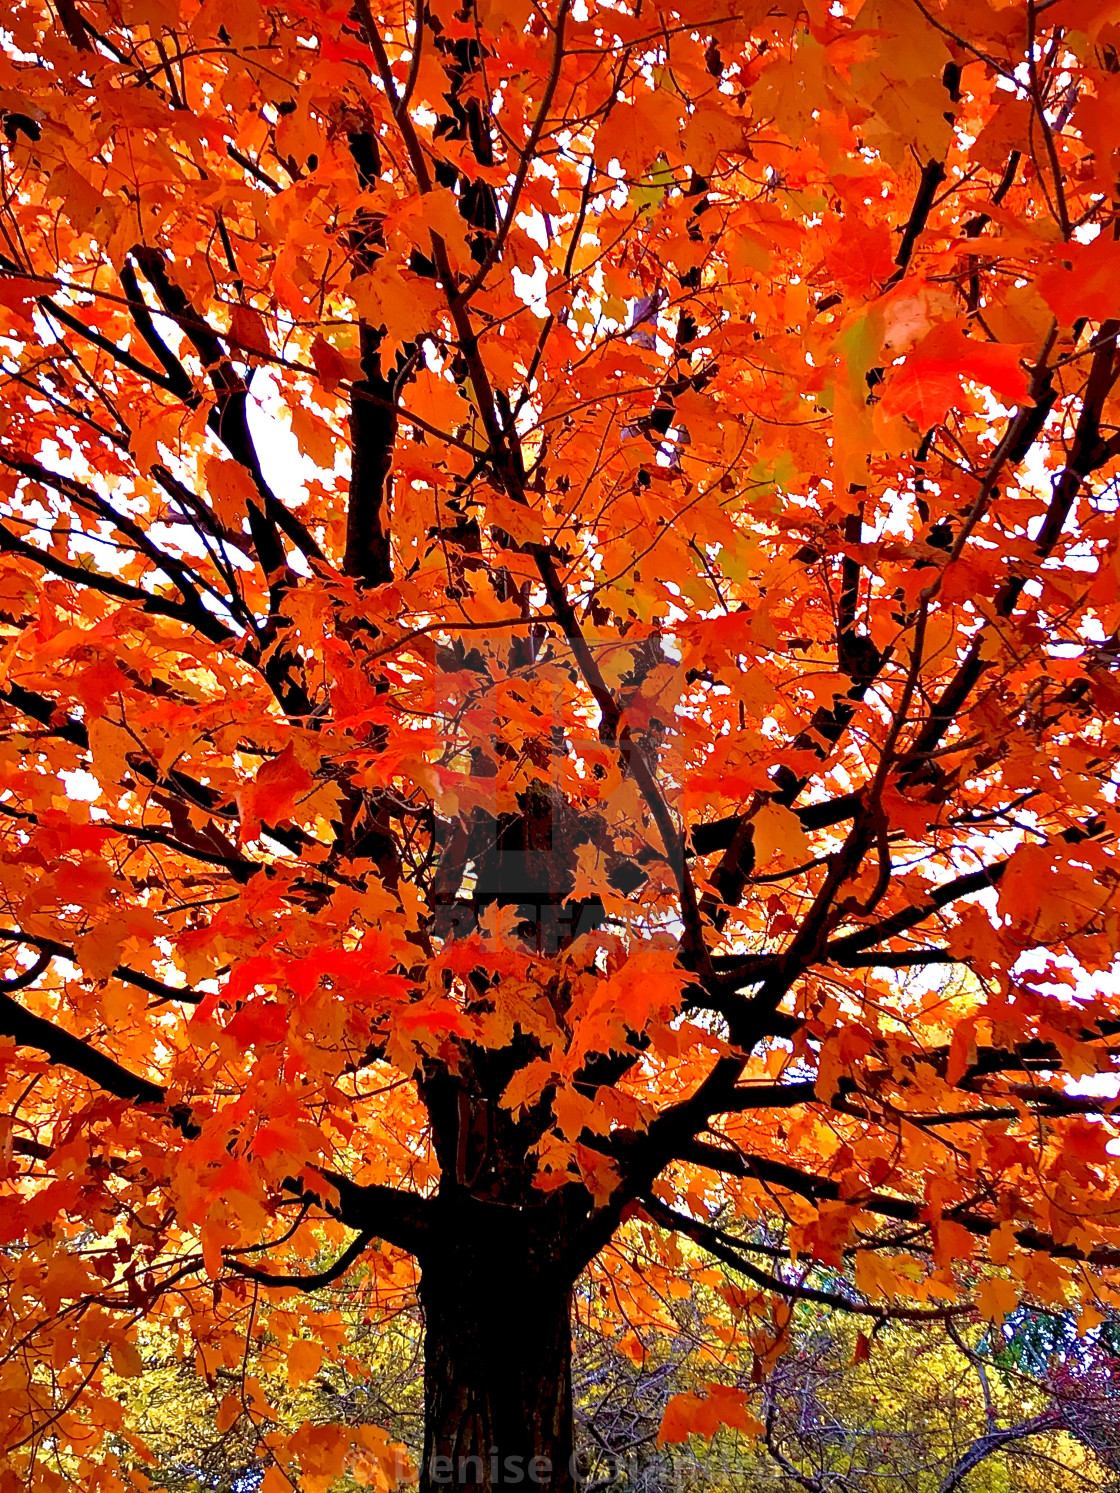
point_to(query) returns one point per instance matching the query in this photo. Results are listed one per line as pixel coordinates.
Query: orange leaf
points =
(690, 1414)
(997, 1298)
(230, 490)
(126, 1359)
(247, 330)
(228, 1414)
(305, 1358)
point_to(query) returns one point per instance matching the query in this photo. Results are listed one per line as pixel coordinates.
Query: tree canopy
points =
(560, 586)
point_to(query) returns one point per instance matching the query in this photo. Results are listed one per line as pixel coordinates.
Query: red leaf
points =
(929, 384)
(258, 1023)
(270, 797)
(1084, 281)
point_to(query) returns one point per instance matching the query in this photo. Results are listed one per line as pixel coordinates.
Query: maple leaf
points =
(997, 1298)
(247, 330)
(259, 1021)
(305, 1358)
(315, 437)
(331, 365)
(527, 1085)
(778, 835)
(875, 1277)
(230, 489)
(931, 381)
(519, 522)
(1082, 281)
(633, 132)
(703, 1415)
(229, 1412)
(17, 296)
(402, 303)
(271, 796)
(125, 1358)
(599, 1173)
(709, 132)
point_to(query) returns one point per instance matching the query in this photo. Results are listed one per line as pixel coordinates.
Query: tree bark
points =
(497, 1373)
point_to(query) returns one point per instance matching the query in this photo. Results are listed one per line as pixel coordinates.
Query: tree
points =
(647, 768)
(912, 1405)
(924, 1408)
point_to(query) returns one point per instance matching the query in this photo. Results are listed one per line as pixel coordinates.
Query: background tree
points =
(921, 1406)
(554, 801)
(927, 1407)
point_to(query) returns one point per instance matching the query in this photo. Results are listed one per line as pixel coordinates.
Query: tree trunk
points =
(497, 1375)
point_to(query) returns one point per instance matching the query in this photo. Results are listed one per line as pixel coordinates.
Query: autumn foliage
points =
(560, 585)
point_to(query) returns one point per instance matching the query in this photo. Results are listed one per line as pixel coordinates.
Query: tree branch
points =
(724, 1247)
(825, 1189)
(71, 1052)
(401, 1218)
(334, 1272)
(993, 1441)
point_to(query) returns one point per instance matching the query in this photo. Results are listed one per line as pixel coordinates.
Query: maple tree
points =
(560, 580)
